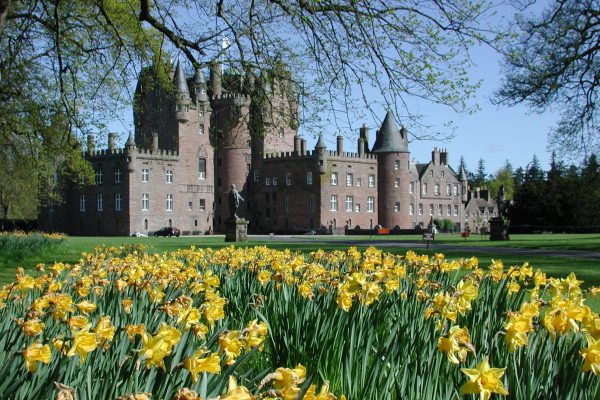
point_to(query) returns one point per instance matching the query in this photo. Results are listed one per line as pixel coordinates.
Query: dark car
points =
(168, 231)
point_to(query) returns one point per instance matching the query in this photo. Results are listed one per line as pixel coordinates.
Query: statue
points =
(234, 202)
(503, 204)
(499, 225)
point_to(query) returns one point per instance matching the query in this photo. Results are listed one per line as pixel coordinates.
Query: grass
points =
(586, 269)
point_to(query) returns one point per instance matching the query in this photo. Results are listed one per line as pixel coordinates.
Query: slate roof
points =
(389, 138)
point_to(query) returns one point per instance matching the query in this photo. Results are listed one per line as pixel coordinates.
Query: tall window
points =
(397, 182)
(202, 205)
(256, 175)
(145, 175)
(449, 210)
(411, 187)
(267, 181)
(100, 202)
(274, 181)
(145, 201)
(424, 188)
(118, 175)
(448, 190)
(309, 177)
(436, 189)
(431, 209)
(397, 164)
(411, 209)
(334, 179)
(169, 176)
(420, 208)
(118, 202)
(333, 203)
(397, 207)
(99, 176)
(202, 168)
(82, 203)
(311, 202)
(288, 178)
(358, 181)
(169, 202)
(371, 180)
(431, 173)
(456, 210)
(370, 203)
(349, 179)
(349, 201)
(455, 190)
(440, 209)
(286, 204)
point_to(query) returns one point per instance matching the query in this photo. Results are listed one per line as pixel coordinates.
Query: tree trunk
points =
(4, 6)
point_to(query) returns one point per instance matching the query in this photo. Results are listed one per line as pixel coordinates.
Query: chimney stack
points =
(340, 145)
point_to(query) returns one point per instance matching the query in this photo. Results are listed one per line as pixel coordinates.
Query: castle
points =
(190, 146)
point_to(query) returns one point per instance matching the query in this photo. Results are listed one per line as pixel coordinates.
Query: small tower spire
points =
(389, 138)
(179, 80)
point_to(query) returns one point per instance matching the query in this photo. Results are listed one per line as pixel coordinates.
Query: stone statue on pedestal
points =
(236, 228)
(234, 202)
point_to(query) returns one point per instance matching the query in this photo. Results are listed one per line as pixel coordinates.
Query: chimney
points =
(364, 134)
(90, 144)
(112, 145)
(361, 147)
(444, 157)
(435, 156)
(297, 145)
(340, 145)
(303, 147)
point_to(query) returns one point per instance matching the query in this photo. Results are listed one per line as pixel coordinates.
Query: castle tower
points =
(182, 95)
(391, 147)
(321, 155)
(131, 153)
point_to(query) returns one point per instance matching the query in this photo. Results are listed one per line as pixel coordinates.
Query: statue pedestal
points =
(498, 229)
(236, 230)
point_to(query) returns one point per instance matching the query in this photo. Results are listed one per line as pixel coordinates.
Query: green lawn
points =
(585, 269)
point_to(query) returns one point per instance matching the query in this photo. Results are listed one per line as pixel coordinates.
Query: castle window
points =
(333, 203)
(118, 175)
(288, 178)
(267, 181)
(100, 202)
(169, 176)
(443, 173)
(311, 202)
(370, 204)
(275, 182)
(420, 208)
(397, 207)
(349, 179)
(349, 201)
(334, 178)
(82, 203)
(431, 209)
(118, 202)
(309, 177)
(397, 164)
(448, 190)
(202, 205)
(440, 209)
(358, 181)
(286, 204)
(449, 210)
(411, 209)
(202, 168)
(201, 129)
(436, 189)
(411, 187)
(431, 173)
(424, 188)
(256, 175)
(357, 208)
(248, 158)
(190, 205)
(397, 182)
(371, 180)
(456, 210)
(99, 177)
(455, 190)
(169, 202)
(201, 113)
(145, 175)
(145, 202)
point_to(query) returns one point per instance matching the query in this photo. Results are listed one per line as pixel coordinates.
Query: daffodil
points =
(33, 327)
(35, 353)
(591, 356)
(83, 343)
(483, 380)
(198, 363)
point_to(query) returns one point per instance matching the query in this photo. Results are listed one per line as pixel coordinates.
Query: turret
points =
(91, 147)
(112, 142)
(200, 86)
(131, 156)
(321, 158)
(364, 135)
(462, 177)
(297, 142)
(182, 93)
(391, 147)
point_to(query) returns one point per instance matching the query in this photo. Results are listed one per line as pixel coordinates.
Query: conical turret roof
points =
(389, 138)
(462, 175)
(199, 76)
(320, 142)
(179, 80)
(130, 141)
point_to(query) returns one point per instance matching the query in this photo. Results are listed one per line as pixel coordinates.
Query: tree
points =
(503, 177)
(553, 62)
(479, 179)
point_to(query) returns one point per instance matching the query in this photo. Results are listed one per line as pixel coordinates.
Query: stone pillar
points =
(236, 230)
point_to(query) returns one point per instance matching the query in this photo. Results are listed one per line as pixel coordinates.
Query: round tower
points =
(464, 185)
(131, 153)
(321, 155)
(182, 95)
(393, 176)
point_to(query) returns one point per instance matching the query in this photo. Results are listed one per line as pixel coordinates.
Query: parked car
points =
(168, 231)
(138, 234)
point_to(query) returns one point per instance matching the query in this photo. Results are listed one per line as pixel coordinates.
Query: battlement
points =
(288, 155)
(163, 153)
(106, 153)
(351, 155)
